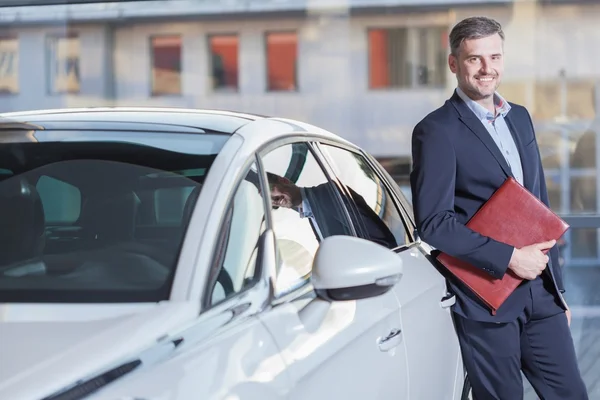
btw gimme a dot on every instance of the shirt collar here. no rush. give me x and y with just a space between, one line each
480 111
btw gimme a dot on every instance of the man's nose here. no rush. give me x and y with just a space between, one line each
485 67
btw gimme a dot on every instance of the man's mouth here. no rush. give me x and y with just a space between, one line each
485 78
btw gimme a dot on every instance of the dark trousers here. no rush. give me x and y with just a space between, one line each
539 343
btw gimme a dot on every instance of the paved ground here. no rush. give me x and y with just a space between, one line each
586 335
587 343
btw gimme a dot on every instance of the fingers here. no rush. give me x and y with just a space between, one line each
533 274
540 264
545 245
543 263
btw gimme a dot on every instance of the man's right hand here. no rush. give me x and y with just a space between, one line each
529 262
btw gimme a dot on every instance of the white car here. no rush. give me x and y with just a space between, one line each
142 257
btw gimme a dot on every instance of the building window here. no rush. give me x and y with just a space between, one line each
282 57
64 55
224 61
166 65
9 65
407 57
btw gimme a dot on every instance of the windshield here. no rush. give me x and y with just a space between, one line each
97 216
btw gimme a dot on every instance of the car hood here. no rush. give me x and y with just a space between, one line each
44 349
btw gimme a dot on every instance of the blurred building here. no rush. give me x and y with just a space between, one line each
367 70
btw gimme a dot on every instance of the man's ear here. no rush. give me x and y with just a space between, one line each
453 63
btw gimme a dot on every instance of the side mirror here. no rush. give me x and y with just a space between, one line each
349 268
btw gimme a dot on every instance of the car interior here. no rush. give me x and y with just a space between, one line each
93 221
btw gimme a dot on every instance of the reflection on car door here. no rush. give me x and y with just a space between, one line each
432 347
332 350
335 352
227 352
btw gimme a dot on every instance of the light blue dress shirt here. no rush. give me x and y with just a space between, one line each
498 130
305 211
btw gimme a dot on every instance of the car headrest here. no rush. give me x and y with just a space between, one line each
22 235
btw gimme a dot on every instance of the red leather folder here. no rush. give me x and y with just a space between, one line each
514 216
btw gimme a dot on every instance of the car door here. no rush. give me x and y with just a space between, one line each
226 352
432 346
340 350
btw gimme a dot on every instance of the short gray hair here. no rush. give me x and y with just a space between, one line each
473 28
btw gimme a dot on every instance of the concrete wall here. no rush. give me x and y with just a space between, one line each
332 79
332 63
33 83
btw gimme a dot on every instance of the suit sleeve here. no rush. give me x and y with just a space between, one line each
433 186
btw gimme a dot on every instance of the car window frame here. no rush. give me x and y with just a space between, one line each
406 219
401 203
304 288
220 247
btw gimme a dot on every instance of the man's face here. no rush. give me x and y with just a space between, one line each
281 196
479 66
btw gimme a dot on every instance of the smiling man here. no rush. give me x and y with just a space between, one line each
462 153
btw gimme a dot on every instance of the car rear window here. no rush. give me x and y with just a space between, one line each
97 216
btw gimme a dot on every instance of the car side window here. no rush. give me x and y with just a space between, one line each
306 208
375 215
244 223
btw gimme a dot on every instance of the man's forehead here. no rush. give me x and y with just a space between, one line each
489 45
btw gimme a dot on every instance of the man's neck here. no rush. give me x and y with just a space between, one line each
486 102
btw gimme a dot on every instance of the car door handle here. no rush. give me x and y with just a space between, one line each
448 301
392 340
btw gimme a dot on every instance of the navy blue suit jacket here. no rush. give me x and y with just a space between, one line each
456 168
331 220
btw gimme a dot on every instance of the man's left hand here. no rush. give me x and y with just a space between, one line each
568 313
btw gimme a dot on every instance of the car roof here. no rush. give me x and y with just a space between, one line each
160 119
167 119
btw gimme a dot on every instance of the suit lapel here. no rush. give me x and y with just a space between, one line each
317 197
476 127
517 138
